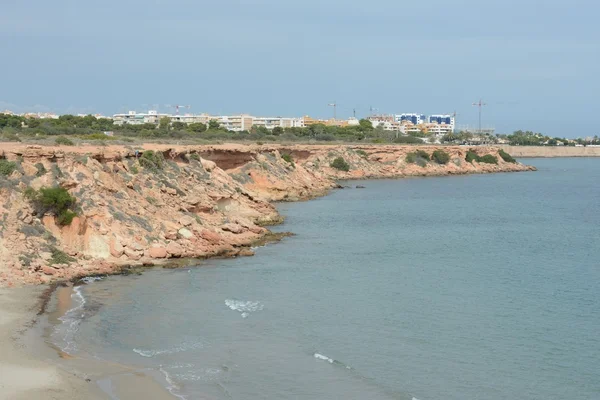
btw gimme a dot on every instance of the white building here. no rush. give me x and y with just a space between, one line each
135 118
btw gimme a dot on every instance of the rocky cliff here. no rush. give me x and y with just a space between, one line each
185 202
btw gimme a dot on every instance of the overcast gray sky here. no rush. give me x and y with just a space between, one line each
534 62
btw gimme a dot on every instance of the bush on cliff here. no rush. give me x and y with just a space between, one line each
154 161
418 157
407 140
506 157
340 164
287 158
56 200
7 167
471 156
440 157
488 159
61 140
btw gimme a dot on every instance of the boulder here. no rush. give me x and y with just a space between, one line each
171 235
210 236
132 254
186 233
175 249
116 248
157 251
186 220
207 164
48 270
136 246
233 228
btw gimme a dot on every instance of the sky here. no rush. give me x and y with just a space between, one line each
534 63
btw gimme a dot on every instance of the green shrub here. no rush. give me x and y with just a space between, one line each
288 158
41 170
440 157
340 164
56 200
362 153
134 170
506 157
152 161
471 156
417 157
423 154
7 167
10 137
421 162
59 257
65 217
488 159
63 140
195 156
97 136
407 140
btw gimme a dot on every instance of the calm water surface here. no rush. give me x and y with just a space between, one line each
474 287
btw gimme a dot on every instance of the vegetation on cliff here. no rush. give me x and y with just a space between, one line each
440 157
506 157
7 167
487 159
340 164
56 200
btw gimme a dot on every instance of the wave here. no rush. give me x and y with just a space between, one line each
71 321
244 307
178 349
319 356
172 387
91 279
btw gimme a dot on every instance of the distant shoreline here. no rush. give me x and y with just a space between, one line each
550 151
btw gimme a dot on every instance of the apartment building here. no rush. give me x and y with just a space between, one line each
135 118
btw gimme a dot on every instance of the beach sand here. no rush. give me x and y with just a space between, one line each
30 368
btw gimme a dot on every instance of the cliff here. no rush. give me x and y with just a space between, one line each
551 151
191 202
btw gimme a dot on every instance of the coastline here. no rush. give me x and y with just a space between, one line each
64 375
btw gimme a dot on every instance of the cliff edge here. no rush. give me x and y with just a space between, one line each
149 204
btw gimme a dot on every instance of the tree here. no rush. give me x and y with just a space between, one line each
365 125
178 126
164 123
277 131
197 127
213 124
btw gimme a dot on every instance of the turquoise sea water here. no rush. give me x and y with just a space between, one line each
469 287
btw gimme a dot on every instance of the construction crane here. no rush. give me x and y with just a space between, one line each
334 105
177 107
480 105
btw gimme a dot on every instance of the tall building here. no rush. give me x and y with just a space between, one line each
442 119
415 119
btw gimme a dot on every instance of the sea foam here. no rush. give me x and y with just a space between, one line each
186 346
244 307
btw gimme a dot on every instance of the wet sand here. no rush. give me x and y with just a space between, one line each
31 368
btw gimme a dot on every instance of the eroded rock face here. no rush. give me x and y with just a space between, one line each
190 207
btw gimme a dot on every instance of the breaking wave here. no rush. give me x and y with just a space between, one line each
322 357
244 307
186 346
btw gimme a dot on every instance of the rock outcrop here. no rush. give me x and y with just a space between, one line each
202 201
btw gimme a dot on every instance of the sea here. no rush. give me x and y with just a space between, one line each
453 288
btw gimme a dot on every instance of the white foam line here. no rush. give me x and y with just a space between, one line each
172 388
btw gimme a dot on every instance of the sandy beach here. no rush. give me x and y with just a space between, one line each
30 368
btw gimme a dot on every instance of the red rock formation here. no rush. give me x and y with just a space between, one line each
191 207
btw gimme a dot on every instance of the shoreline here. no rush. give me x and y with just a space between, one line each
33 366
38 305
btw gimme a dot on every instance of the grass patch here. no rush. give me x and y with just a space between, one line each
362 153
